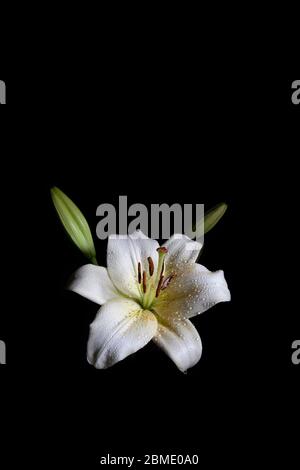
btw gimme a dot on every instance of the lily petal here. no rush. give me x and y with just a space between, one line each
193 291
120 328
93 282
123 256
180 340
181 250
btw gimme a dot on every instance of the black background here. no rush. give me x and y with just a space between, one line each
156 134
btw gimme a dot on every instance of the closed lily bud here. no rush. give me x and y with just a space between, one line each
74 223
212 217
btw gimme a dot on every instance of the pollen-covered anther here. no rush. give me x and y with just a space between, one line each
139 273
151 265
144 282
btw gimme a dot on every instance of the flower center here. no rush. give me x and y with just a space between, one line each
152 285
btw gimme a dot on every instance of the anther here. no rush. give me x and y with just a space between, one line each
144 282
139 273
151 265
159 286
167 282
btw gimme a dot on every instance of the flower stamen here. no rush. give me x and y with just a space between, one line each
151 265
159 286
144 282
167 281
151 285
139 273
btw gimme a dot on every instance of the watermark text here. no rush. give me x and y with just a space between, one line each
296 92
296 353
2 92
2 353
160 221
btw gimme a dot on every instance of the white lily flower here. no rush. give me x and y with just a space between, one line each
148 293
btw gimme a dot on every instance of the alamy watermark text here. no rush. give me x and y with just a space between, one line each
2 92
160 221
296 352
296 92
2 353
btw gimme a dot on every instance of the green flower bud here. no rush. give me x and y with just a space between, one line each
212 217
74 223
